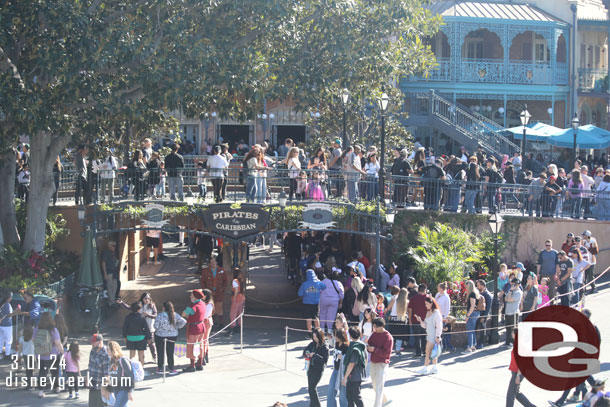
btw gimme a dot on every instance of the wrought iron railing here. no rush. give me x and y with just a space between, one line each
591 79
448 195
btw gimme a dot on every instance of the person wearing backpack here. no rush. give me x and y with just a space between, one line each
120 375
473 313
484 307
529 300
99 363
47 345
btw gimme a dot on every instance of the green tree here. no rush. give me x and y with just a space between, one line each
444 253
90 70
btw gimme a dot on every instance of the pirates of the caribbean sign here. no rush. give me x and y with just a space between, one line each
236 223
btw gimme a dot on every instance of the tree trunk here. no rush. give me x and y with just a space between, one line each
8 218
44 150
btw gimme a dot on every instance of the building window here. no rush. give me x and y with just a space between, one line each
474 48
541 52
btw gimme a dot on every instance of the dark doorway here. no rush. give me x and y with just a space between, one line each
296 133
233 134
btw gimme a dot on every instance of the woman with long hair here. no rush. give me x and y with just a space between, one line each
119 375
350 300
251 163
317 353
578 273
72 361
366 299
334 385
237 299
419 162
575 191
208 300
529 300
62 328
433 324
396 314
366 327
372 177
294 168
472 313
166 326
149 312
330 298
48 348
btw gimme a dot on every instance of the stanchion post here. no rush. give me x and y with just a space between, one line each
286 350
163 350
241 333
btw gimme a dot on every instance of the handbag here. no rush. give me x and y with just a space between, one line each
436 351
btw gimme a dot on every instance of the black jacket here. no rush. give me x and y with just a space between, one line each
320 355
401 167
135 325
174 164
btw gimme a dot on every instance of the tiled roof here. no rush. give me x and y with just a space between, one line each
503 11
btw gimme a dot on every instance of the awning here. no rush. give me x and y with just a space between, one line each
588 136
531 134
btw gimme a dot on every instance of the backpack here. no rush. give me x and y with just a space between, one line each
539 300
481 303
43 343
137 370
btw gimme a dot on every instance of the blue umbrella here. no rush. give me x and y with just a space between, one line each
532 134
588 136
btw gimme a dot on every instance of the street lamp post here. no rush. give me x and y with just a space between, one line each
495 223
575 124
383 106
389 218
345 99
525 119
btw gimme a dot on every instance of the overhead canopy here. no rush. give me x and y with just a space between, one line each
588 136
532 134
89 273
495 10
544 128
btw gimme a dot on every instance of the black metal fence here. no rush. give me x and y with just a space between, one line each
236 184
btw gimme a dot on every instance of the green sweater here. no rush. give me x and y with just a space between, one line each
357 348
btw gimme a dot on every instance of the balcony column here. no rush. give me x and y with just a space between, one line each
553 109
506 47
505 111
553 48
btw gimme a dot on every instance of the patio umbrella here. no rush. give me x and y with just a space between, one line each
532 134
89 273
544 128
588 136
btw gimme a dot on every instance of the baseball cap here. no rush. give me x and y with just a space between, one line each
96 338
520 265
553 178
599 382
338 141
577 238
587 233
570 234
561 253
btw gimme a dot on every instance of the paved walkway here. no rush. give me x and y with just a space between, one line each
255 376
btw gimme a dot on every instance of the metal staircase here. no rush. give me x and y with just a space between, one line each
468 128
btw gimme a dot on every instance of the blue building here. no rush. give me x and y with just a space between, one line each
495 57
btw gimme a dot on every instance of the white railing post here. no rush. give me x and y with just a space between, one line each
286 350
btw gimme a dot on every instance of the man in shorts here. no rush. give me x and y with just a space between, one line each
310 292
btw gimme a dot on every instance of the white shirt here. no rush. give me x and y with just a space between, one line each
107 167
588 182
360 267
27 348
372 169
587 244
393 312
216 164
444 303
24 177
577 274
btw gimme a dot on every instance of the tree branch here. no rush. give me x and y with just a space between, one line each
6 65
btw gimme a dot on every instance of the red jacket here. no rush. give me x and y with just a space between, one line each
383 344
217 285
194 323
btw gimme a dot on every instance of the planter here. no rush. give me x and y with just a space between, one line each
458 334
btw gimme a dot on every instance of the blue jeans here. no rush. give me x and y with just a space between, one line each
576 207
471 325
250 188
331 397
176 182
352 191
122 397
471 195
261 189
577 293
453 198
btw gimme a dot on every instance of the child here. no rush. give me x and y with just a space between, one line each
149 312
543 288
72 358
160 187
314 189
26 349
201 180
380 308
108 396
301 185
